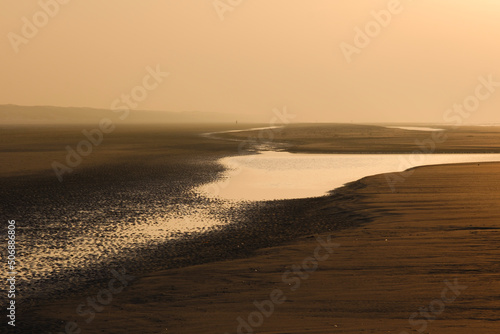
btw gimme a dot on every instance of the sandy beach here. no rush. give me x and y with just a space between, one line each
250 167
397 247
429 236
390 253
358 138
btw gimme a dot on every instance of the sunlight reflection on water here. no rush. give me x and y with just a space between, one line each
282 175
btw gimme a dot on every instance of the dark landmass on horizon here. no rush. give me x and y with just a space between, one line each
49 115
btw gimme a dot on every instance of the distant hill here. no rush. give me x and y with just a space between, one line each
14 114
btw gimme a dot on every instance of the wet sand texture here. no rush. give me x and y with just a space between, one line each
441 224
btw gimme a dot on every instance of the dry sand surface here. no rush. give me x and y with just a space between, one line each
441 225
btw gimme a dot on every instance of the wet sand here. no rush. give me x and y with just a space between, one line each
396 251
136 172
352 138
440 225
30 150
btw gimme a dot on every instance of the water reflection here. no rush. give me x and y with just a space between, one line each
282 175
414 128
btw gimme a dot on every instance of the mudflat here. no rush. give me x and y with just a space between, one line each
425 260
419 255
357 138
31 149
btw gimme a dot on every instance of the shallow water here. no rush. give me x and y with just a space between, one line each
414 128
282 175
214 135
73 232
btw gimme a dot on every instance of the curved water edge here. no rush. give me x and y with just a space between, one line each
415 128
213 135
274 175
68 239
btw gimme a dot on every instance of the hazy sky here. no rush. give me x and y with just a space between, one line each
264 54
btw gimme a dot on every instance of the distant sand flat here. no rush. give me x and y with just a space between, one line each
356 138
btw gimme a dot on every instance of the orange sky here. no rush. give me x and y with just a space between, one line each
264 54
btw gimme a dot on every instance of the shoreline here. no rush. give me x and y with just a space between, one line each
261 228
266 224
358 138
202 297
